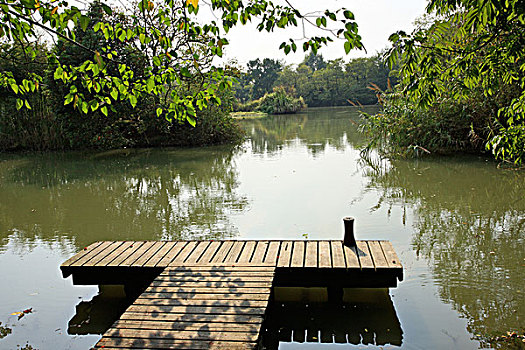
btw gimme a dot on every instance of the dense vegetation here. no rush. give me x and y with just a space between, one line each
51 124
318 82
462 80
279 101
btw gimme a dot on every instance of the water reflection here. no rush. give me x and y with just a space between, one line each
98 314
128 195
470 225
364 316
316 129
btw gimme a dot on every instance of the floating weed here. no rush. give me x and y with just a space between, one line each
4 331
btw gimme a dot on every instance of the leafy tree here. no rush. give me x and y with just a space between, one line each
315 61
262 75
470 53
178 49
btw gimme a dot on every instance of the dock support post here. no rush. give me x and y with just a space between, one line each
349 239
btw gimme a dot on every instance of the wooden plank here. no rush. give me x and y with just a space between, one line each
272 252
351 259
133 247
311 254
183 317
94 252
149 253
123 247
197 252
363 253
285 254
217 268
200 335
207 296
298 254
247 252
390 254
338 256
325 256
155 259
222 252
208 310
239 274
81 254
187 326
185 302
112 343
184 253
210 252
215 284
160 344
230 278
172 254
146 245
260 252
205 290
378 258
234 253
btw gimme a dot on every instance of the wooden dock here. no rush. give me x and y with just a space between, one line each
214 294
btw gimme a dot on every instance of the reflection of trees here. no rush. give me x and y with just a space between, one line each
319 128
120 196
470 223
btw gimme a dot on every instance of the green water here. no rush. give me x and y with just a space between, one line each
457 223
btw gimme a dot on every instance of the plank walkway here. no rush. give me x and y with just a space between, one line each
196 307
214 294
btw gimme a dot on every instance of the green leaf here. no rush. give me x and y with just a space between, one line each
104 110
150 84
94 105
68 99
26 102
114 93
122 35
84 22
306 44
185 72
349 15
107 9
19 103
159 112
191 120
95 69
133 100
348 47
14 87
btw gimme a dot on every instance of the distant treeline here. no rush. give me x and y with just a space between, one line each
318 82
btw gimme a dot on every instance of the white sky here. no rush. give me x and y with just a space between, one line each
377 19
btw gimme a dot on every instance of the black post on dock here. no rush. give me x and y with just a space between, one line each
349 239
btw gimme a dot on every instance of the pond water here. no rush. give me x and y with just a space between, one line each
457 223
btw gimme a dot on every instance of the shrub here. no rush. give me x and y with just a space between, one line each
277 102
